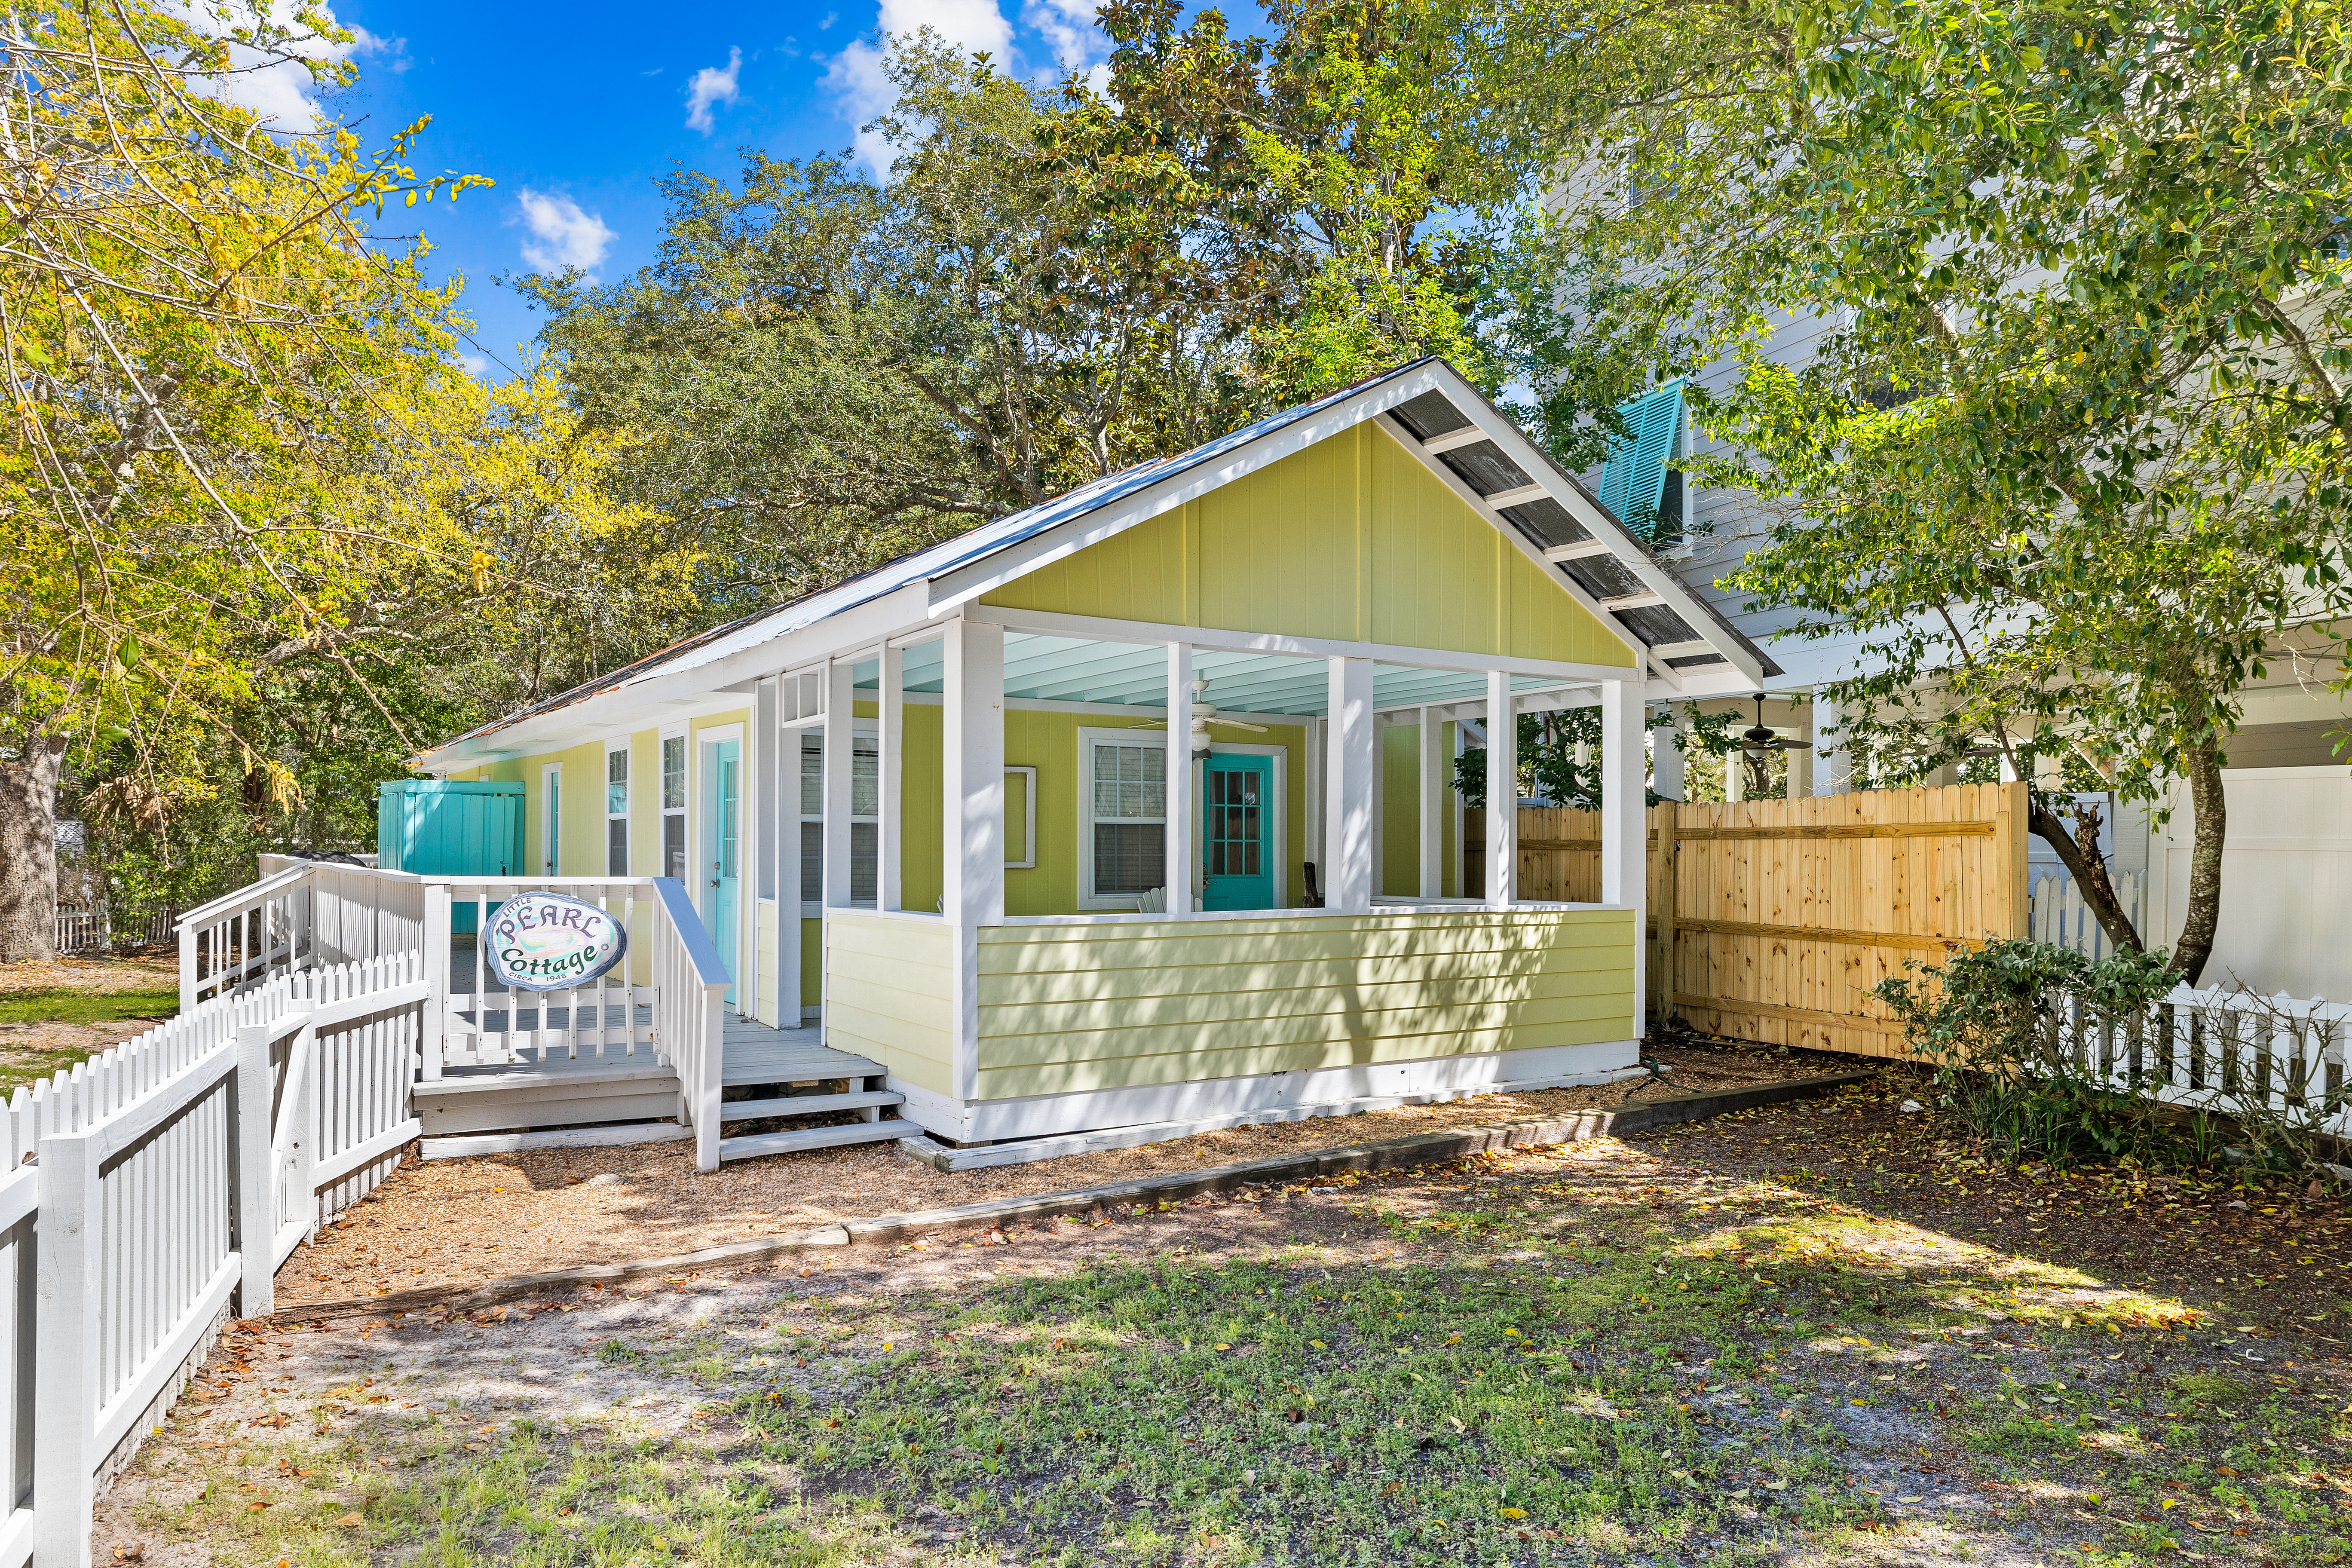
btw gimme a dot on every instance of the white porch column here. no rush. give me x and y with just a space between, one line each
761 852
971 863
1800 763
889 853
1666 755
1432 798
1502 792
1625 819
1347 797
1317 751
1178 800
972 768
840 687
1830 767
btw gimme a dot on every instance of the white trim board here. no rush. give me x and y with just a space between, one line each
1267 1096
1029 1151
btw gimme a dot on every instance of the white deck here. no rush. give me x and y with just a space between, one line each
754 1054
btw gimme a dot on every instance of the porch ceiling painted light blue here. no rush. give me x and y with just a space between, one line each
1070 669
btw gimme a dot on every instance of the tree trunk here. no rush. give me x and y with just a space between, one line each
28 850
2210 819
2089 869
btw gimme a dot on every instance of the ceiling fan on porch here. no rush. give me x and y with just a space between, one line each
1205 713
1758 743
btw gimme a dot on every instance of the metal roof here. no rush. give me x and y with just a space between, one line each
1494 464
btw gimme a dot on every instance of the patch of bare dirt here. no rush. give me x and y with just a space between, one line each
455 1224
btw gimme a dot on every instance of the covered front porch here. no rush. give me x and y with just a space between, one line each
999 816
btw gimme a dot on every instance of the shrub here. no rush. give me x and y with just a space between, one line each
2004 1027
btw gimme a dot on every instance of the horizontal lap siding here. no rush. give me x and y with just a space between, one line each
1063 1009
889 985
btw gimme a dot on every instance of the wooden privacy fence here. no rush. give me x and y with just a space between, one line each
1774 919
156 1188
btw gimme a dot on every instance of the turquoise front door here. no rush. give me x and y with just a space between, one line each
723 802
1237 840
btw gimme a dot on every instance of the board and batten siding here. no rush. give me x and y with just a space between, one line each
1070 1008
1351 539
890 994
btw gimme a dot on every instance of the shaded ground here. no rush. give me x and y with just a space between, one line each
1764 1341
54 1014
460 1222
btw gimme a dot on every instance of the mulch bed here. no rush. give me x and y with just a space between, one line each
2245 1246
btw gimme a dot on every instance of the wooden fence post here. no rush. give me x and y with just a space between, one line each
256 1179
66 1351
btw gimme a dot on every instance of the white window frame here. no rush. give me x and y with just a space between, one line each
1029 834
619 748
1088 739
860 729
551 819
682 810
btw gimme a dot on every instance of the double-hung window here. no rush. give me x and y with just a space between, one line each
617 809
672 800
1125 839
864 814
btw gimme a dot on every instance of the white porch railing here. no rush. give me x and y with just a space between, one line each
160 1184
663 1004
483 1024
245 937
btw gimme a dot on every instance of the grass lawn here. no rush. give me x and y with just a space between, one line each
65 1005
49 1029
1760 1342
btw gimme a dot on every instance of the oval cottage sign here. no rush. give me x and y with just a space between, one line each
552 941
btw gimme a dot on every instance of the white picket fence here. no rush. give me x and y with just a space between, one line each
2057 913
2225 1050
156 1188
93 930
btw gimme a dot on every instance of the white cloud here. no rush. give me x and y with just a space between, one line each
1068 28
708 86
855 78
278 86
475 365
562 235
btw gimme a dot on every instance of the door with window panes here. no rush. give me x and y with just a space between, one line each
1236 841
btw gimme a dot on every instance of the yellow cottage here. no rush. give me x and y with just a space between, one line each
940 820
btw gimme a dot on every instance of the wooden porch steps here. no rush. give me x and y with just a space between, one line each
807 1105
798 1139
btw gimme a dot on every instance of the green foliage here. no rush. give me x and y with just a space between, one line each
2004 1025
1548 768
2068 455
70 1005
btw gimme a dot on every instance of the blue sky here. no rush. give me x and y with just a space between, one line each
576 110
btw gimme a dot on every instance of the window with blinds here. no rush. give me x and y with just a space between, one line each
865 807
673 803
1127 826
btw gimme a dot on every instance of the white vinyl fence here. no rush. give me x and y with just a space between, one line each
154 1189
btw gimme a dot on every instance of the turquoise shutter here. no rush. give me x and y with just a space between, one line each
1633 479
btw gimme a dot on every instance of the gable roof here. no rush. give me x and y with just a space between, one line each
1431 409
